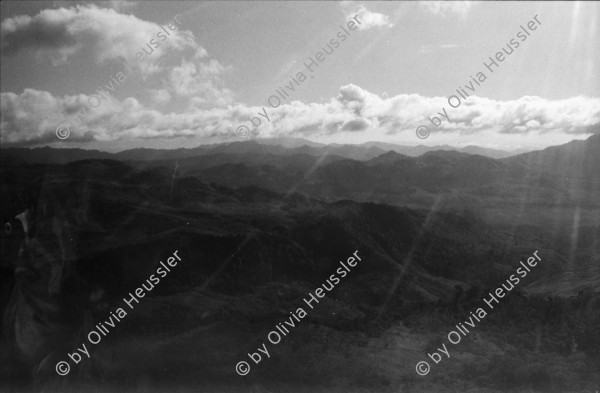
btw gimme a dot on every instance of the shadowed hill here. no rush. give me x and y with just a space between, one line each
251 254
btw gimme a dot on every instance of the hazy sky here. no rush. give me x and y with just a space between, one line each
225 60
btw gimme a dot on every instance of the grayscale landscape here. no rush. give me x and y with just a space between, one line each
300 196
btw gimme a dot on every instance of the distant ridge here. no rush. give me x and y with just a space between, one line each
415 151
279 146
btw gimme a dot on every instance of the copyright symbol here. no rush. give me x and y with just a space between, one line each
242 368
63 132
243 131
62 368
422 368
422 132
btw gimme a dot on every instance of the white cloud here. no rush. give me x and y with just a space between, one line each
173 57
201 82
26 119
368 19
59 34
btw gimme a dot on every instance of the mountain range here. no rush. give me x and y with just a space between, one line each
286 146
259 226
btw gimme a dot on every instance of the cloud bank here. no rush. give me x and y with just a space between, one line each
353 110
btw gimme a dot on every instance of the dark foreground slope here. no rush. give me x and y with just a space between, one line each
249 258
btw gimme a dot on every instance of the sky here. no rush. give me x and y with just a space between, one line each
105 75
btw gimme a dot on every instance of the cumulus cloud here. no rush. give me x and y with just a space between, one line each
26 119
201 82
33 117
181 64
107 34
368 19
